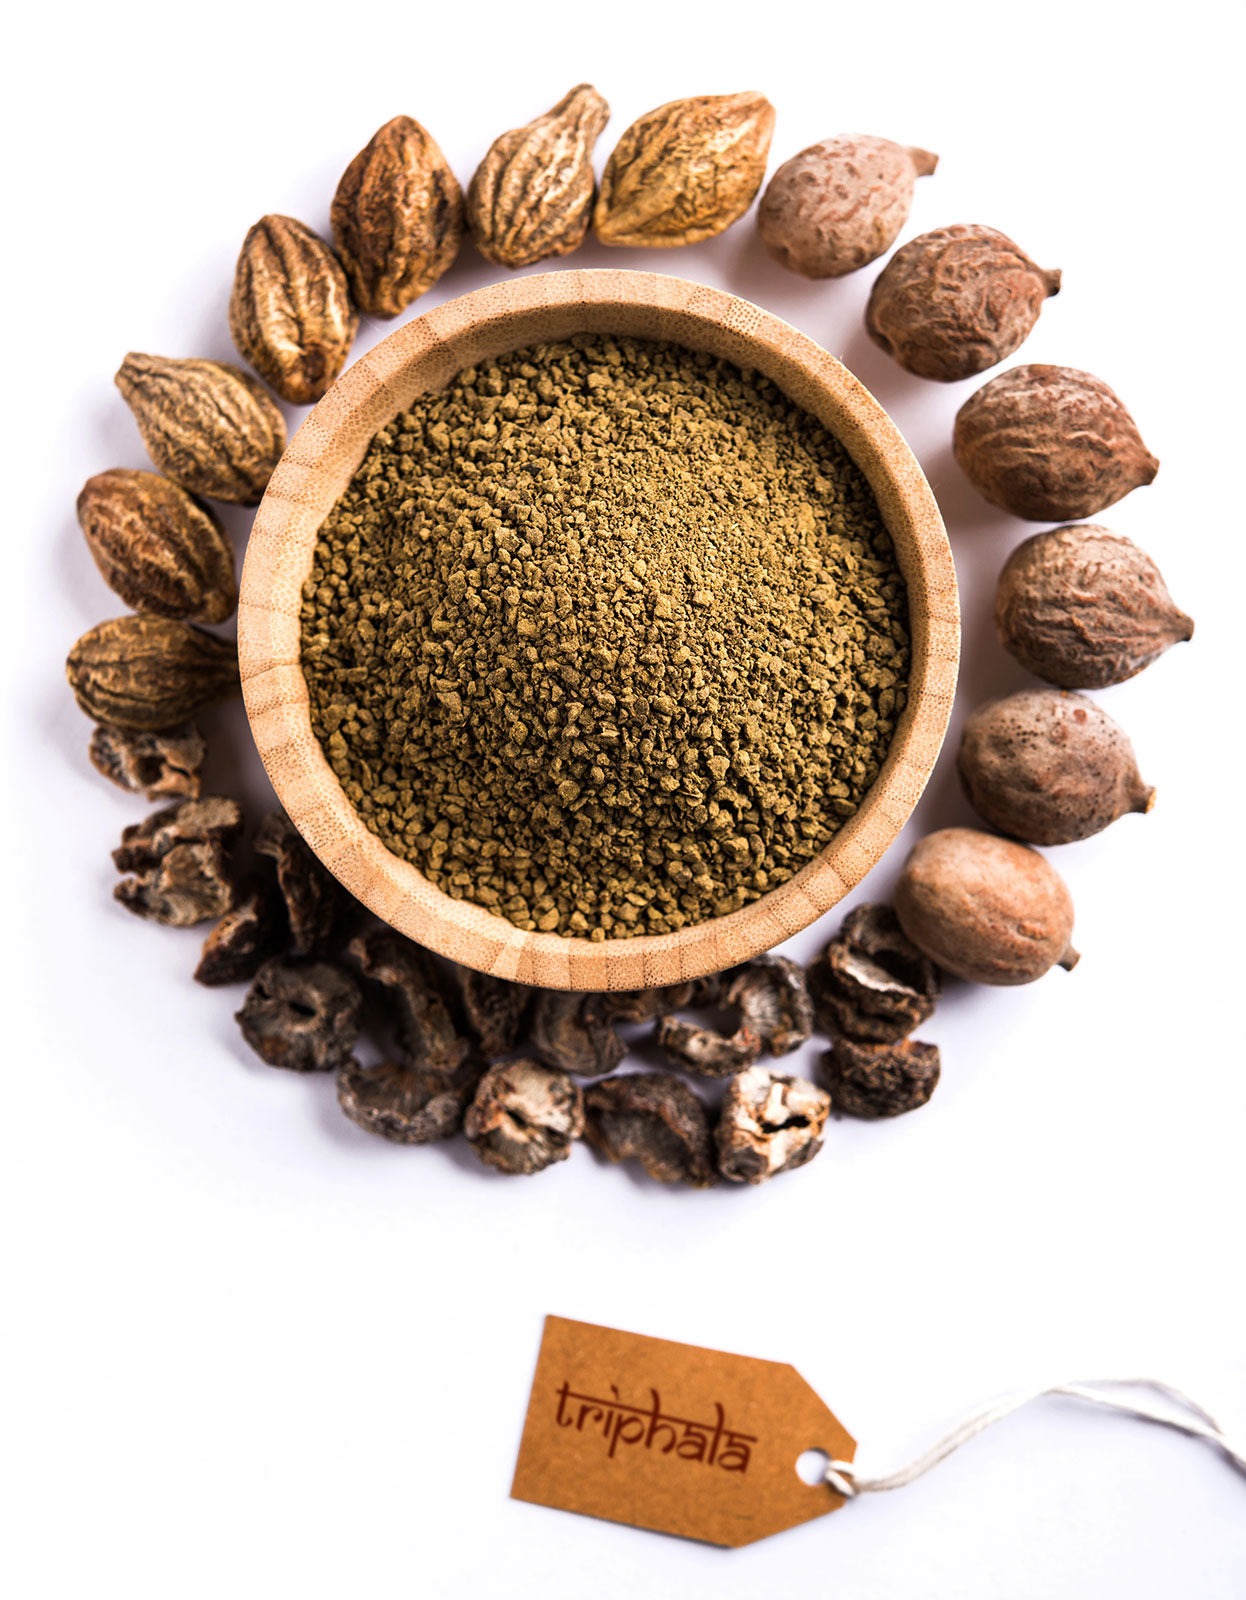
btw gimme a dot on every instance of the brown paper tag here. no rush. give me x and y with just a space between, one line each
672 1437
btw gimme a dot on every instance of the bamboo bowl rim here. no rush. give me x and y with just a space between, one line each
323 455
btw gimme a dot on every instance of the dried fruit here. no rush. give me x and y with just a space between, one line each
770 1123
871 982
162 766
1084 608
245 937
179 858
647 1005
147 674
653 1118
290 313
1049 767
839 204
573 1032
706 1051
410 1104
303 1016
770 995
524 1117
494 1010
161 551
207 425
424 1022
397 218
532 195
985 908
315 901
1050 443
953 302
881 1080
686 171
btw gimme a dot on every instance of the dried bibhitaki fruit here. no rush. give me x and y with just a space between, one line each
410 1104
1050 443
881 1080
161 551
647 1005
1084 608
1049 767
871 982
839 204
397 218
207 425
524 1117
162 766
573 1032
770 1123
984 908
494 1009
303 1016
953 302
707 1052
147 674
424 1022
532 195
686 171
290 313
179 858
314 899
770 995
245 937
653 1118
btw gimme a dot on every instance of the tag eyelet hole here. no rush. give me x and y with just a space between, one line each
811 1467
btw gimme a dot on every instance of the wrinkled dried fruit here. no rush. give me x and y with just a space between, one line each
706 1051
1050 443
985 908
423 1020
494 1010
147 674
524 1117
161 551
573 1032
162 766
532 195
953 302
397 218
871 982
686 171
881 1080
303 1016
180 860
207 425
653 1118
245 937
839 204
1084 608
315 901
770 1123
410 1104
770 995
214 819
647 1005
290 313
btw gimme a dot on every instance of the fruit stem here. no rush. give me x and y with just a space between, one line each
1069 959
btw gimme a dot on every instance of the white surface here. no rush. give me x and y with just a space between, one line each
255 1351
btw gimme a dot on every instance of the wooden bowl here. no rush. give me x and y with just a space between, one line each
424 354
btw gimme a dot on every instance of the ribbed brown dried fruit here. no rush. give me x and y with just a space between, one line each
161 551
1084 608
314 900
245 937
161 766
881 1080
770 1123
953 302
147 674
524 1117
871 982
423 1019
573 1032
653 1118
494 1009
303 1016
1050 443
207 425
686 171
408 1103
532 195
179 861
397 218
290 313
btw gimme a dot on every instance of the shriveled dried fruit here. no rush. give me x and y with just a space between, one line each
162 766
706 1051
1049 443
303 1016
771 997
770 1123
871 982
408 1103
161 551
839 204
532 195
207 425
573 1032
955 301
984 908
494 1009
653 1118
686 171
147 674
245 937
881 1080
424 1022
1084 608
214 819
179 858
524 1117
647 1005
315 901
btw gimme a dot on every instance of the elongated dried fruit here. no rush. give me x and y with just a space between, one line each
653 1118
871 982
207 425
770 1123
303 1016
524 1117
148 673
686 171
881 1080
162 766
408 1102
290 313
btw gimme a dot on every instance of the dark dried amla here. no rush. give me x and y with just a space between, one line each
653 1118
147 674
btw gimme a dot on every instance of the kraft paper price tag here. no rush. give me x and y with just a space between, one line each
672 1437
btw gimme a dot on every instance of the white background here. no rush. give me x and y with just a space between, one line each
256 1352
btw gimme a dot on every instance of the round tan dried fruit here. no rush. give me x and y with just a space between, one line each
984 908
149 673
1050 443
839 204
953 302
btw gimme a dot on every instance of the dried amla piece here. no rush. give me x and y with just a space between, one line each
572 1031
409 1103
179 858
1085 608
653 1118
494 1009
706 1051
984 908
955 301
148 674
871 982
647 1005
880 1080
1050 443
770 1123
303 1016
424 1021
839 204
524 1117
772 999
245 937
315 901
161 766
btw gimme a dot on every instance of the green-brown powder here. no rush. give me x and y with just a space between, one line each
607 636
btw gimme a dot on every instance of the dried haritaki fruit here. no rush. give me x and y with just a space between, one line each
303 1016
573 1032
524 1117
423 1019
1049 767
705 1051
408 1103
647 1005
290 313
397 218
245 937
881 1080
1050 443
770 995
494 1009
314 899
1084 608
532 195
770 1123
207 425
180 861
686 171
161 551
953 302
871 982
653 1118
984 908
147 674
839 204
162 766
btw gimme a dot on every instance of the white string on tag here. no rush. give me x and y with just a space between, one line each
1189 1417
